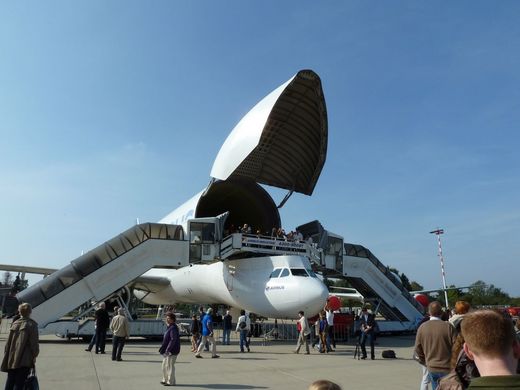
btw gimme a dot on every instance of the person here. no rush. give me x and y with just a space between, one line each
304 332
170 349
92 341
207 335
202 314
461 309
120 333
195 332
489 341
463 369
322 331
227 325
433 344
367 327
243 327
102 324
324 384
21 349
329 314
425 379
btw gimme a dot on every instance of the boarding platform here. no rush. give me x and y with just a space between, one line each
239 244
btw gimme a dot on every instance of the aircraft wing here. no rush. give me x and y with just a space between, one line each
439 290
144 283
151 284
27 270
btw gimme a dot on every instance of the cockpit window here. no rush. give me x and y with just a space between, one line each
311 272
299 272
285 272
275 273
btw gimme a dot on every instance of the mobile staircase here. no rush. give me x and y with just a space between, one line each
368 275
382 288
102 271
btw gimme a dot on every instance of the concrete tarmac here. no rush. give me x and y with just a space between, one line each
66 365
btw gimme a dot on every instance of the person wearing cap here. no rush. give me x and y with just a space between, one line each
207 335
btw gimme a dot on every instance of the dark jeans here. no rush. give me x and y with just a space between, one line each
101 337
92 342
330 335
16 378
118 344
363 340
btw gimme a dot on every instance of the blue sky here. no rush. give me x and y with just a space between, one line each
114 110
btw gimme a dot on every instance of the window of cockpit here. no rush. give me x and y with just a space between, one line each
311 272
275 273
285 272
299 272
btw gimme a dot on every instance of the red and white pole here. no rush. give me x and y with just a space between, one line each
438 233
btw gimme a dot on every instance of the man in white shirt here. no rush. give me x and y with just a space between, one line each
329 315
244 327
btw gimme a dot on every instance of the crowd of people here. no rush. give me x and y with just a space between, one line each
472 349
276 232
469 350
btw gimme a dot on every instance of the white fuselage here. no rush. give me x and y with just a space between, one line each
245 284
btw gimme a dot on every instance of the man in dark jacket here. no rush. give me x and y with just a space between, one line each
368 323
228 324
170 348
102 324
21 349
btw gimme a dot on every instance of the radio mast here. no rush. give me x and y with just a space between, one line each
438 233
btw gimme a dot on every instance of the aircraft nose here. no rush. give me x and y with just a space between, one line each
316 294
323 292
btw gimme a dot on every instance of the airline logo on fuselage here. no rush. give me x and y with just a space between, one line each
268 288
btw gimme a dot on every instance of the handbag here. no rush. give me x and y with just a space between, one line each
31 383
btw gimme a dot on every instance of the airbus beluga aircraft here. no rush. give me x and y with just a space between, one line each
281 142
193 255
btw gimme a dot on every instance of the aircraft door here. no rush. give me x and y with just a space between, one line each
203 234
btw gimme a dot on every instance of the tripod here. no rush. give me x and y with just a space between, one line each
357 352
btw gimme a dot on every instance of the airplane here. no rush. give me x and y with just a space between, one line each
439 290
280 142
348 293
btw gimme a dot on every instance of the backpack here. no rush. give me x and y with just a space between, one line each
388 354
242 325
